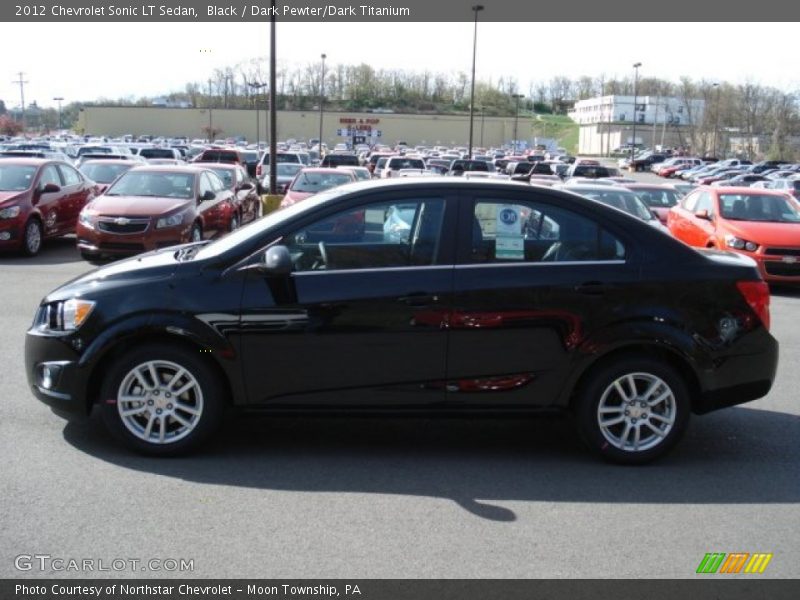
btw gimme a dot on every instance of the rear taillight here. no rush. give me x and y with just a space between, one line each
756 294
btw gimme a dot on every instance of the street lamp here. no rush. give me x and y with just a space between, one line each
516 118
483 115
273 115
257 86
476 9
716 120
635 99
321 99
59 99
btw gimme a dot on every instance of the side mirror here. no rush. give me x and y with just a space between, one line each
278 261
245 186
208 195
50 188
703 214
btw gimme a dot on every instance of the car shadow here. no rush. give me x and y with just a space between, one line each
53 251
736 456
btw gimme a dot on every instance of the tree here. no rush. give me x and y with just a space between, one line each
9 126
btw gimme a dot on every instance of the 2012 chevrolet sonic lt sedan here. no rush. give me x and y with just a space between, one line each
459 296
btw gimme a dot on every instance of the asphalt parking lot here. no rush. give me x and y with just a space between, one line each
393 498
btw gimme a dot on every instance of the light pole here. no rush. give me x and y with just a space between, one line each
59 99
273 115
476 9
516 118
716 120
635 100
321 100
257 86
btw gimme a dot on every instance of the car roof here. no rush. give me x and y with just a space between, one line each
32 161
170 168
743 190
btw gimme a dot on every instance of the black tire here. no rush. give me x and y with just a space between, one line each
32 237
206 397
196 234
600 387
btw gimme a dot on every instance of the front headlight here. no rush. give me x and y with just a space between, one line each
86 218
65 316
11 212
171 221
739 244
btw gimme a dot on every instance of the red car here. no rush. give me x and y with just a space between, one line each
761 224
155 207
246 200
39 199
314 180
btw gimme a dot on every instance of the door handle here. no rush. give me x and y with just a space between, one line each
418 299
593 288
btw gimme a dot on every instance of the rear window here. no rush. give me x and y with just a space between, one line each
217 156
156 153
335 160
406 163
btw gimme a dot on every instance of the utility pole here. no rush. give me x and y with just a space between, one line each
21 84
59 99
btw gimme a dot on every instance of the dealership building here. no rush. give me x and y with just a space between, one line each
374 127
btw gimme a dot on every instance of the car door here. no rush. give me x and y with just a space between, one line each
534 280
212 194
76 194
701 230
679 216
362 318
51 205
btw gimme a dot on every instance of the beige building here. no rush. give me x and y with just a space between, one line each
446 130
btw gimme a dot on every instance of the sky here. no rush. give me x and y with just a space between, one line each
86 61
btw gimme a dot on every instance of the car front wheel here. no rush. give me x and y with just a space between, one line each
32 237
162 400
633 411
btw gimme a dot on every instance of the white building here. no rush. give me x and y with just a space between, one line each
606 122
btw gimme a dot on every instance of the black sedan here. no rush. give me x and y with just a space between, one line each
442 294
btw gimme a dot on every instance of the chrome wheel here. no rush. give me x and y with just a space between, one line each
234 223
33 237
160 402
197 234
636 412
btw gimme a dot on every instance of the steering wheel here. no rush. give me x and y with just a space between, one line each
323 253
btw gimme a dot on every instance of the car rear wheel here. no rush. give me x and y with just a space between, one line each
162 400
633 411
32 237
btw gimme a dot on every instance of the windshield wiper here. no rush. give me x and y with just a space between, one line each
188 252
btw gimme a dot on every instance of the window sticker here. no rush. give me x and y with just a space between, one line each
509 247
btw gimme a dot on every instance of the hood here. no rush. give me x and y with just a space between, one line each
4 196
137 206
766 234
142 270
291 196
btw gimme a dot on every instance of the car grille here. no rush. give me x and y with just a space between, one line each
113 246
782 269
782 251
122 225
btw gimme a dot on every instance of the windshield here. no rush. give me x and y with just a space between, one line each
104 172
257 227
755 207
154 183
310 181
14 178
626 201
226 175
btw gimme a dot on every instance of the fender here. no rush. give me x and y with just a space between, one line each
665 335
207 335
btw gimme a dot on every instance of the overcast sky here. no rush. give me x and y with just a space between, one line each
83 61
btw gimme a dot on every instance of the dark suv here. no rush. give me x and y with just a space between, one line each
446 295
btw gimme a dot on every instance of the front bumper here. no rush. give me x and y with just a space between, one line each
54 373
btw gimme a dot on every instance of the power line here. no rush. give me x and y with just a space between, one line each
21 84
